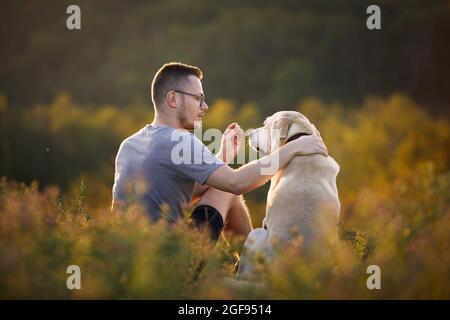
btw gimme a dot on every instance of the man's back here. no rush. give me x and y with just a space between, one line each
156 170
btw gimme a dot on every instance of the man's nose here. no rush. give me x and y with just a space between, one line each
205 106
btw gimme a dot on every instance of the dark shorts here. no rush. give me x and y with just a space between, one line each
208 217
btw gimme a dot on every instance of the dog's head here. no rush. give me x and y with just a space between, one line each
279 129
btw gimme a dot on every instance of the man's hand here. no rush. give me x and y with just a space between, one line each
231 143
312 144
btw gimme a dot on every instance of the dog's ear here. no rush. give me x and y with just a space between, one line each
278 133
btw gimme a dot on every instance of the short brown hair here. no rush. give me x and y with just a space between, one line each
169 77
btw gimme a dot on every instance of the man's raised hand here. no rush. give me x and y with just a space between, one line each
231 142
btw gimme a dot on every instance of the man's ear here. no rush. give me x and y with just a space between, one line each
171 99
278 133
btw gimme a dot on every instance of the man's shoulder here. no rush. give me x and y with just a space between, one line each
160 138
148 132
131 139
150 137
172 136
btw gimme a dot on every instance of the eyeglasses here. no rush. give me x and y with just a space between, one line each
198 96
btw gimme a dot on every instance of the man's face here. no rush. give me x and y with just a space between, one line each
190 112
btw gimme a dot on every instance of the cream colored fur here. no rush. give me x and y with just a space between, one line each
303 197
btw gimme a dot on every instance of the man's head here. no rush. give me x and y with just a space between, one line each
178 93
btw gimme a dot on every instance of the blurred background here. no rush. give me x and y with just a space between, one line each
380 98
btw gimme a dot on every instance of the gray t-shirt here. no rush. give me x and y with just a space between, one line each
157 167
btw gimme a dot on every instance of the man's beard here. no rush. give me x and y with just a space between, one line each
182 118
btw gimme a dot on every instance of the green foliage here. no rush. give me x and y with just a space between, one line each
269 52
59 142
123 256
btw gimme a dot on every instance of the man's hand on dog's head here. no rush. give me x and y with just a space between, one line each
312 144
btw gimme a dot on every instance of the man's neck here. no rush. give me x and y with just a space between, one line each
162 119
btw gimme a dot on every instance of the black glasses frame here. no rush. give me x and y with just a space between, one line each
201 96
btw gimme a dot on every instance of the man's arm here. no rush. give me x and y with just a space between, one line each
250 177
231 141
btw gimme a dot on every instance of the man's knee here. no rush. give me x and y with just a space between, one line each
231 207
238 200
220 200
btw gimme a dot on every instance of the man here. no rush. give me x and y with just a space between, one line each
147 173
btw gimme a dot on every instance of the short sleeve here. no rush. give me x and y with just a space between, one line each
190 158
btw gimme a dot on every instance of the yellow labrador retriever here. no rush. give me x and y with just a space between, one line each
303 197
